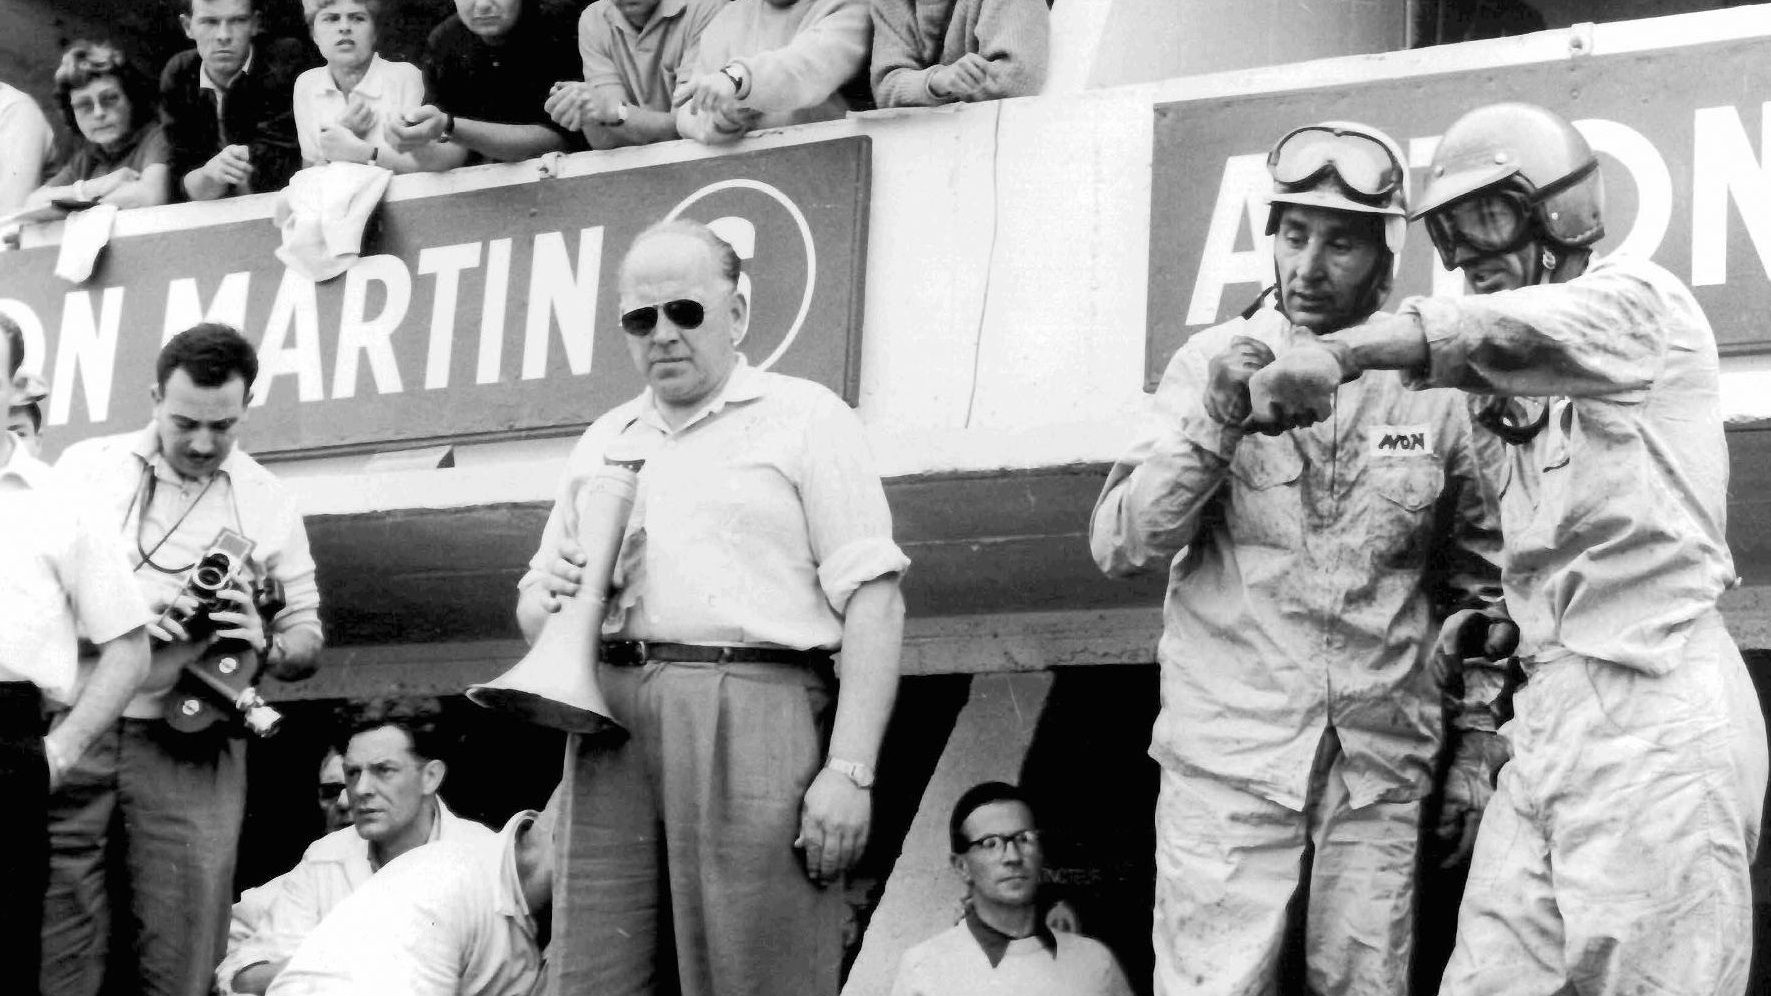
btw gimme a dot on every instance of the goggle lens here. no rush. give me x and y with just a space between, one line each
683 313
1363 164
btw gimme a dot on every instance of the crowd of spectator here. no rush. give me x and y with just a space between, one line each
239 113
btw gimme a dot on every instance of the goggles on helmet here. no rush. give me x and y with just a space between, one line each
1361 163
1492 221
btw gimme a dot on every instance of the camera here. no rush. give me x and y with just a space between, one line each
215 572
218 685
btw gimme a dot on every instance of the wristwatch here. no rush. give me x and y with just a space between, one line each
620 114
855 771
734 72
448 129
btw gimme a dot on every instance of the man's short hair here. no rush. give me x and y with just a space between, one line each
189 7
210 354
310 9
974 799
15 344
419 718
727 257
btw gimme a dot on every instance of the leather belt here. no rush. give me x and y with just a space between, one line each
632 653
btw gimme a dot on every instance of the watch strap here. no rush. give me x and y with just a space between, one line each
854 771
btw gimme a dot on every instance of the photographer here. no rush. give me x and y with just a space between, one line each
166 805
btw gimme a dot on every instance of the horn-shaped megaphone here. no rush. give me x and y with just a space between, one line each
555 684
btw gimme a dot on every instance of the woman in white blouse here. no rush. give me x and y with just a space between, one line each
340 107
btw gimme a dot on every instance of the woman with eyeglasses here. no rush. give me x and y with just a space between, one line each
122 154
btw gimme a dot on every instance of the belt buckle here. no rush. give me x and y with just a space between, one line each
725 655
644 651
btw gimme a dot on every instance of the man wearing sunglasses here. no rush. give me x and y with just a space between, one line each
1003 945
1615 854
1307 572
760 543
165 807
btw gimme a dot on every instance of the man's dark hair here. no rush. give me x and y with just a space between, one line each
210 354
974 799
420 719
189 8
15 344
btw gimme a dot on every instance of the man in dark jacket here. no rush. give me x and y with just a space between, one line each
227 104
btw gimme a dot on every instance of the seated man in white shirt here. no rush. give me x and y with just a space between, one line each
1002 945
457 918
335 814
392 772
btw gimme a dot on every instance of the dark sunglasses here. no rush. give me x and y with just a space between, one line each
683 313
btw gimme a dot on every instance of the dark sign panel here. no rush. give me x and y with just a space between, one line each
481 313
1682 136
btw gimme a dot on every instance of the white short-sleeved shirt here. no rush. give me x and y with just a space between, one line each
755 521
62 575
390 89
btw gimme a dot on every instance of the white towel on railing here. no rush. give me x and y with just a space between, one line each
83 236
322 214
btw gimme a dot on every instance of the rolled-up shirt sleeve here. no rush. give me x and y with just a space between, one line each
1600 334
293 565
847 519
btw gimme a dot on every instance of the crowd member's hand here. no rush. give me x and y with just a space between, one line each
1062 919
833 825
417 128
563 576
231 166
55 761
1227 375
1295 390
967 78
710 93
1486 633
166 627
565 105
358 117
242 621
98 187
339 145
1477 757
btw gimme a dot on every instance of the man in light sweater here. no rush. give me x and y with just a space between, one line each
772 63
1002 945
943 51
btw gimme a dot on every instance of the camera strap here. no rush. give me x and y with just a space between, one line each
144 497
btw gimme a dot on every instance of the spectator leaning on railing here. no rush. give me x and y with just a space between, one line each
945 51
769 63
226 104
635 52
26 145
122 154
343 107
488 71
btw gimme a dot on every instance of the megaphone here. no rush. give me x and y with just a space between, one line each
555 684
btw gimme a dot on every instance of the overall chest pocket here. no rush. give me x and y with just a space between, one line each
1263 504
1399 518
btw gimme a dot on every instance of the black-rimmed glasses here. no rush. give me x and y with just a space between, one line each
993 844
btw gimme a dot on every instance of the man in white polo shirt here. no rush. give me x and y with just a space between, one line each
59 573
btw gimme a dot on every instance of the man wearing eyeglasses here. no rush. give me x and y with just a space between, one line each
166 806
1616 853
760 543
1003 945
1307 569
